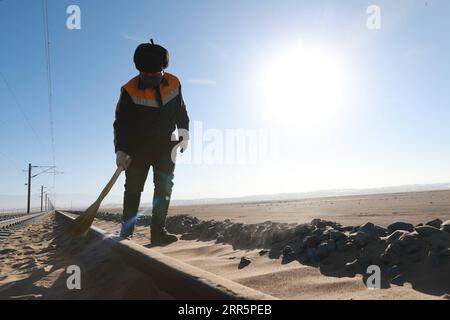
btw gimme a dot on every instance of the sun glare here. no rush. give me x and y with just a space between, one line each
304 87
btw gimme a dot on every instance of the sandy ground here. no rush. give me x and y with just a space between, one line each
34 259
35 266
285 281
294 280
382 209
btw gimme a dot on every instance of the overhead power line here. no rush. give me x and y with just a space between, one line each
14 163
49 84
24 115
49 75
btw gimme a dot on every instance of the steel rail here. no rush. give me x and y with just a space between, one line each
5 224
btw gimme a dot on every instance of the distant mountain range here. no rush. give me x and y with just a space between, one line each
80 201
318 194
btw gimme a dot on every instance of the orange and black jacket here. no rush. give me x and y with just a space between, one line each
147 117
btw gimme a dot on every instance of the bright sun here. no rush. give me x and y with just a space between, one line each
304 87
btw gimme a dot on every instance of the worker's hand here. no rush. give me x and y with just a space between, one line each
123 160
184 145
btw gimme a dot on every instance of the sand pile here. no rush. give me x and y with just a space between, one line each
34 260
417 254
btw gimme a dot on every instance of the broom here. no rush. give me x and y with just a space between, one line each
80 226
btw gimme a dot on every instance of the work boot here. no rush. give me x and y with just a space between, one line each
127 229
159 234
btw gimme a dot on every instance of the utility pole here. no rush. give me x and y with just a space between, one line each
42 198
29 188
45 169
46 202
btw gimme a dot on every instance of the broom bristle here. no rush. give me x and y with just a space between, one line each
80 226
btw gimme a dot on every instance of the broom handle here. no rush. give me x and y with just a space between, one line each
110 184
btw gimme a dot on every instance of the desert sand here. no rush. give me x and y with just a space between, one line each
297 280
221 238
34 260
381 209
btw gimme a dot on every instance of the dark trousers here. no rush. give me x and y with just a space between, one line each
135 177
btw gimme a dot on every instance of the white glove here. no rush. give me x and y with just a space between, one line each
123 160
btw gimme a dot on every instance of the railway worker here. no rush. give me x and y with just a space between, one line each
149 110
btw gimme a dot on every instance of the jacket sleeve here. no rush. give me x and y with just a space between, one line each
182 115
122 123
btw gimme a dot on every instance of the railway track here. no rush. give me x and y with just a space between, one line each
177 278
12 215
8 226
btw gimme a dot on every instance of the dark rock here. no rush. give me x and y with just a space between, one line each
312 254
302 230
322 250
389 258
220 238
445 226
413 248
287 251
427 231
319 223
395 248
393 237
439 241
331 245
373 230
435 259
394 271
354 267
263 252
364 260
361 238
310 241
399 280
408 239
400 226
324 237
245 261
344 246
415 257
337 235
435 223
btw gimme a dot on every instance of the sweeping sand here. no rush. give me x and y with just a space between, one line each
34 260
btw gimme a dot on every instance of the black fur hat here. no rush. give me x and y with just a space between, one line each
150 57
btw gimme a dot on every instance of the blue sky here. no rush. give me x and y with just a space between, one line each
392 128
